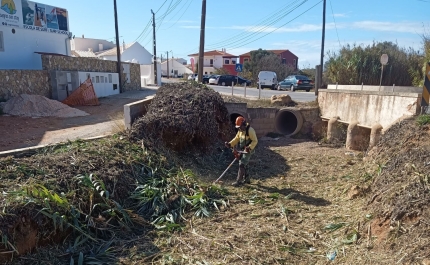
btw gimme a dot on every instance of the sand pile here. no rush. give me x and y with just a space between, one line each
184 116
39 106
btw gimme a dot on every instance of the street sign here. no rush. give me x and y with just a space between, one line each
238 67
384 59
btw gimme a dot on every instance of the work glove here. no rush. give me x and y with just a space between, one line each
227 144
247 149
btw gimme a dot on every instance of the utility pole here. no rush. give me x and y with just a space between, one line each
320 76
118 50
168 73
155 48
202 42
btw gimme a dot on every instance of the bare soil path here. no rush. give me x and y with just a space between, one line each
20 132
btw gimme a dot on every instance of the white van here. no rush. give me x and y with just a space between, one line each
267 79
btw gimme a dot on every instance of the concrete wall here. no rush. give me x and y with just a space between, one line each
399 89
263 120
16 82
82 64
135 110
367 107
21 44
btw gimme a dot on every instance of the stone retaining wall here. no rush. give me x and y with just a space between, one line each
16 82
82 64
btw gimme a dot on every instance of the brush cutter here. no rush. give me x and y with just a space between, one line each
237 155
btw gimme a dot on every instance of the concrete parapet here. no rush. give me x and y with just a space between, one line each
135 110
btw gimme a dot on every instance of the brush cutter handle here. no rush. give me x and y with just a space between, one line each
225 171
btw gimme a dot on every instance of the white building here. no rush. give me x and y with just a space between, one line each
26 32
175 68
215 60
90 45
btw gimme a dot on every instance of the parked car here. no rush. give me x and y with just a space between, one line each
267 79
204 78
243 81
213 79
192 77
296 82
226 80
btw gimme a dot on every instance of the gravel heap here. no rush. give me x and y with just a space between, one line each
39 106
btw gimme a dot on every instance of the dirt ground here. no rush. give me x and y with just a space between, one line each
306 201
21 132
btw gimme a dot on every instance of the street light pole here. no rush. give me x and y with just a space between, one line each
155 48
118 50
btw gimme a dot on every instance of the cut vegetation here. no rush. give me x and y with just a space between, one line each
130 199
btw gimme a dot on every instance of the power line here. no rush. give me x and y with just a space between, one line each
165 1
340 46
262 29
191 1
268 20
278 27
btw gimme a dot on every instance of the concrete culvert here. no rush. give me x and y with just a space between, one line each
289 121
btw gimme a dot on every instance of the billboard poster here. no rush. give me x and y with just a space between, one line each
34 16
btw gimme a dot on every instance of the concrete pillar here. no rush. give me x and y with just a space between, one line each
375 135
333 130
353 136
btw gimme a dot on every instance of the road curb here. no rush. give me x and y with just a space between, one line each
29 151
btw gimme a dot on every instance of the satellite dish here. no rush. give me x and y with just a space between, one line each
384 59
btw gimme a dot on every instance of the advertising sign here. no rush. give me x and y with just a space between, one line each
34 16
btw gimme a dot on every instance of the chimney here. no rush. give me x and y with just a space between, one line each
100 47
123 45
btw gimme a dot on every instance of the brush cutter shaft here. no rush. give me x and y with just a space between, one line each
225 171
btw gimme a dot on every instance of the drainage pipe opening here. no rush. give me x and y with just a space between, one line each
289 121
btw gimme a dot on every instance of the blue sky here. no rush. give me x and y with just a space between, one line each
244 25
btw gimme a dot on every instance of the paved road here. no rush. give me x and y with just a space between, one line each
252 92
301 96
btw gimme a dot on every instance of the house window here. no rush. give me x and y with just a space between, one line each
233 61
284 61
102 79
294 62
88 75
110 78
211 62
93 80
226 61
1 42
106 80
206 73
246 60
97 79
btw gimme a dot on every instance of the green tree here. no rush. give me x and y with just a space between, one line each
354 65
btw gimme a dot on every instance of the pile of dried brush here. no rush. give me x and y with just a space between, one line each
184 116
401 191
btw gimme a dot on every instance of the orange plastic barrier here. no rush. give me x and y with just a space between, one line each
83 96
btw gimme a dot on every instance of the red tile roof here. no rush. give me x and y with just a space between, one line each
213 53
274 51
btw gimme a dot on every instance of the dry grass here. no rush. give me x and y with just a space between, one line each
295 217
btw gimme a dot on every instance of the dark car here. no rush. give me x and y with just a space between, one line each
296 82
226 80
243 81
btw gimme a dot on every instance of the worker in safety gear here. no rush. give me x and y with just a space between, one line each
247 140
